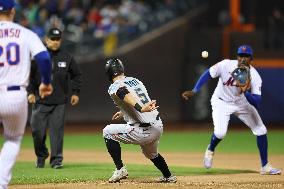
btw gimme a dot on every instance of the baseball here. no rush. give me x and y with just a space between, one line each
204 54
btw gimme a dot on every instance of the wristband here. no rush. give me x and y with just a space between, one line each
138 107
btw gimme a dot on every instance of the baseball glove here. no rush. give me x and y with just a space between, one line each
242 76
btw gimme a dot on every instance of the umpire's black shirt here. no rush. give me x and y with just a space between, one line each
65 72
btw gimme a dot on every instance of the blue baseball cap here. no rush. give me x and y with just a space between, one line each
245 50
6 5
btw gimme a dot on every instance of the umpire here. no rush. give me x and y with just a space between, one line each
49 113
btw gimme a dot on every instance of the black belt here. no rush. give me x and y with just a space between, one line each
141 124
145 124
13 88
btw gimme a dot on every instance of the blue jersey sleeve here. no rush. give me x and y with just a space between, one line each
44 64
202 80
253 99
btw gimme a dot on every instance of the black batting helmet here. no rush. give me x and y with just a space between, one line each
114 67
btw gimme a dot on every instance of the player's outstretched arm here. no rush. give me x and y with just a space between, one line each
201 81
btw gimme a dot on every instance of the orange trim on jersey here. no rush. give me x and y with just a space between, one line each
268 63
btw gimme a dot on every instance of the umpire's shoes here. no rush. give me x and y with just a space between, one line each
40 162
208 158
269 170
57 166
118 175
171 179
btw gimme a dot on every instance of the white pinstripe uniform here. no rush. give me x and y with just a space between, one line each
17 45
132 132
228 99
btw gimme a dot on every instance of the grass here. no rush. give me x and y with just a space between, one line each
25 173
189 141
235 142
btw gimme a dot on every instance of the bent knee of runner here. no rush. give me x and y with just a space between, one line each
106 132
220 135
150 155
258 131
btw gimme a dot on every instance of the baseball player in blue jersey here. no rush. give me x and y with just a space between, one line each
17 46
230 97
143 125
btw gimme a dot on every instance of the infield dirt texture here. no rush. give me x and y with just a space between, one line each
225 160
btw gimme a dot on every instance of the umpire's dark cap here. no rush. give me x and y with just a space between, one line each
6 5
245 50
54 34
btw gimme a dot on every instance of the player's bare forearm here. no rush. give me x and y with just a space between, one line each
130 99
150 106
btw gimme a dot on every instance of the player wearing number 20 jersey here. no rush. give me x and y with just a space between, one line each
17 46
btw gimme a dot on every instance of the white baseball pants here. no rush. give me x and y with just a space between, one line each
13 116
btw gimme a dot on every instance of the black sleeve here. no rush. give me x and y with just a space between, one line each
32 87
75 76
121 92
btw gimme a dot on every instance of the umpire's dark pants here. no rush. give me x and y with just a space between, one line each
52 117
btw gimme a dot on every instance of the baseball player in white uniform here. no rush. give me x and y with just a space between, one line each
17 46
143 124
231 98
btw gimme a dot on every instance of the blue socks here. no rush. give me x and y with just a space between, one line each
262 147
213 143
261 144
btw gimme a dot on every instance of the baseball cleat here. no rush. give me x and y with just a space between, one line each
118 175
171 179
208 158
269 170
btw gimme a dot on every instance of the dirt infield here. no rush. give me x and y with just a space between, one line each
234 161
